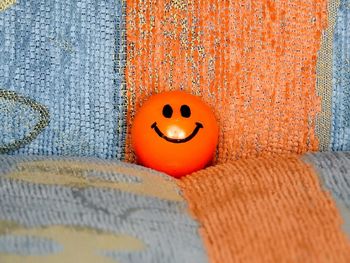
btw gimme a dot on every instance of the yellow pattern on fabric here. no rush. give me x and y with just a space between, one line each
325 78
4 4
89 242
74 173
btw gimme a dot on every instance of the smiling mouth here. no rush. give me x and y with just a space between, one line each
188 138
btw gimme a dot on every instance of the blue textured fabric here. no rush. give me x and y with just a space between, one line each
67 58
333 169
27 245
340 136
92 210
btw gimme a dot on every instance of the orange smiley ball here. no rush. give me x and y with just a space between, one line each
174 132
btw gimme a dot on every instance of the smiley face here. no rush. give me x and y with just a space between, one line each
174 132
186 113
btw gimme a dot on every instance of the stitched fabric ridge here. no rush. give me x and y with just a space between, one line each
325 79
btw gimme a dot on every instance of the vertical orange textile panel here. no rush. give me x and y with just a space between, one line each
266 210
254 62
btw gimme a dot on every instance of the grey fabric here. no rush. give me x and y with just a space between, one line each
334 171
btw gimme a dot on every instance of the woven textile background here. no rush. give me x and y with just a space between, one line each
341 80
275 72
61 77
254 62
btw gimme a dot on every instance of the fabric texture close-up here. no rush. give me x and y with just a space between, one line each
64 60
73 76
254 62
107 211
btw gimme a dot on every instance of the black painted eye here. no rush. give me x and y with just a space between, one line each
167 111
185 111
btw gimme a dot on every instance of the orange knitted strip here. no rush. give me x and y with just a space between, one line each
252 61
266 210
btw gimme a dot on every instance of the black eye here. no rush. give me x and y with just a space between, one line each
167 111
185 111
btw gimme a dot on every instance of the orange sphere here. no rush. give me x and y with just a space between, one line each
174 132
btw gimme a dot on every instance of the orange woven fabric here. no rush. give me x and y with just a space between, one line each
254 62
266 210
